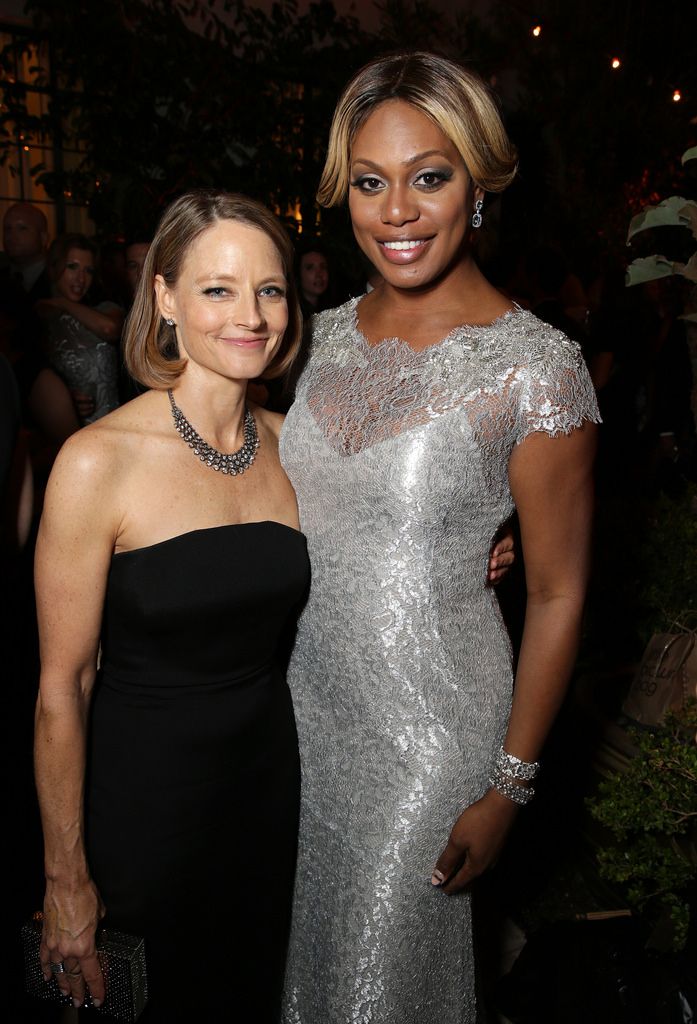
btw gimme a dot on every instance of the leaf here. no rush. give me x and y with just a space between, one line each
689 211
672 212
689 269
690 154
649 268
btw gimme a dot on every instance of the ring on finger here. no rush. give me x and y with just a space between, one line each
57 968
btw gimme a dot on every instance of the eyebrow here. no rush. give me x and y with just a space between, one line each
213 276
406 163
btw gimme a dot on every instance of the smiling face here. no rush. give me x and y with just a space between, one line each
76 276
410 196
229 302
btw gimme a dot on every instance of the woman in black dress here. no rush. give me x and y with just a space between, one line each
168 777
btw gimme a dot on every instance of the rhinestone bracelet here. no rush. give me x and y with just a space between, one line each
514 768
518 794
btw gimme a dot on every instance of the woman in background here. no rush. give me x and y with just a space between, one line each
82 339
313 278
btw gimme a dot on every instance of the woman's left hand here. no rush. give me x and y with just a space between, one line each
475 842
502 555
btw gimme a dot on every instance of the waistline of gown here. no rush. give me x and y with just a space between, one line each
136 686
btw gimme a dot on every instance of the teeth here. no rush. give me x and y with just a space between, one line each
403 245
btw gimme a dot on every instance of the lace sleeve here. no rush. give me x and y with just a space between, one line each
557 394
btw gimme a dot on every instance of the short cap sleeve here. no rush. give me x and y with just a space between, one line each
556 394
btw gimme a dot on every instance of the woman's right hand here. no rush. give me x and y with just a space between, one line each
71 918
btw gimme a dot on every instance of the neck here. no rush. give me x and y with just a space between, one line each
461 286
214 405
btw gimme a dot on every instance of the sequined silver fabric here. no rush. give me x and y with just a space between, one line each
401 673
85 362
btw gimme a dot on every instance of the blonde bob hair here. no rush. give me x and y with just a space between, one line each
457 100
150 345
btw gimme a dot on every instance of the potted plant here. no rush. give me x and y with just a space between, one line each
672 212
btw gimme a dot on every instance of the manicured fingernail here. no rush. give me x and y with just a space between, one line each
437 878
77 1003
97 1003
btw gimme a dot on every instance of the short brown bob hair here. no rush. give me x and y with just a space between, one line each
150 345
457 101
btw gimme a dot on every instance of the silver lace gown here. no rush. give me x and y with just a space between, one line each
401 674
85 361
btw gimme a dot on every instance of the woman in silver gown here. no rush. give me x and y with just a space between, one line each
429 410
82 339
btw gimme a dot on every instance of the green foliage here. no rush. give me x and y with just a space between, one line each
665 565
649 268
675 211
593 140
192 93
195 92
651 811
672 212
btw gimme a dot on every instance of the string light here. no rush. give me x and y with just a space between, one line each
537 30
677 96
615 63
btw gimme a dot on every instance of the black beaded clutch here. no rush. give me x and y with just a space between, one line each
123 964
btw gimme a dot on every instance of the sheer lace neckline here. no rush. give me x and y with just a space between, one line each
396 340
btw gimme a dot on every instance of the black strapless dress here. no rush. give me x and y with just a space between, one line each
193 774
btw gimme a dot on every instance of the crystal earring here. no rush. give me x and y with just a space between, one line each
477 215
169 322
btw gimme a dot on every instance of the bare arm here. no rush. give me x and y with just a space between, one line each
106 324
74 547
52 406
551 482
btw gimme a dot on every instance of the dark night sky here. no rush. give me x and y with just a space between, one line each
363 9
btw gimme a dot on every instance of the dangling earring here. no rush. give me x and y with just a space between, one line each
170 322
477 215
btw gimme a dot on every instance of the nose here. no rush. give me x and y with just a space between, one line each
248 311
399 206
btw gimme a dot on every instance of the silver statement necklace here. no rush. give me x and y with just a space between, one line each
236 462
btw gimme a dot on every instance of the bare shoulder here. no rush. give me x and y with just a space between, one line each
269 421
94 462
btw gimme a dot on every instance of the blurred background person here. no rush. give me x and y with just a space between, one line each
113 279
547 275
317 290
313 277
135 260
136 251
82 339
25 241
47 409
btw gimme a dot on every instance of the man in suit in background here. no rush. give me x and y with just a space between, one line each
25 240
